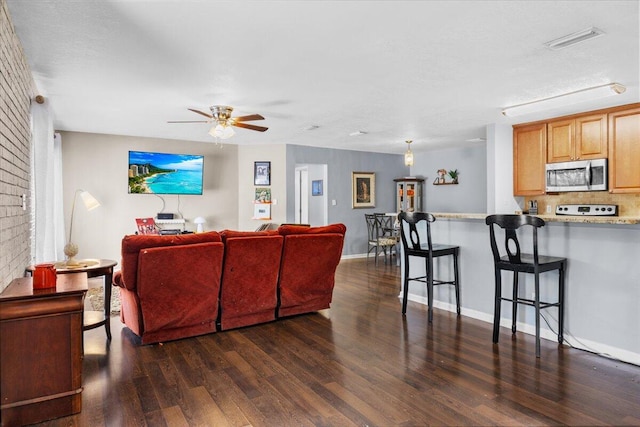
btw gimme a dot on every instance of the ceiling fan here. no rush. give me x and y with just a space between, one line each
221 116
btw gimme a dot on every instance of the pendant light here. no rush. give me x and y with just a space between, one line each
408 156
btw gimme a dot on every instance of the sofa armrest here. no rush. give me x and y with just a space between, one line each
117 279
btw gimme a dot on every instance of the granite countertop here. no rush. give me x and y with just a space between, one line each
552 218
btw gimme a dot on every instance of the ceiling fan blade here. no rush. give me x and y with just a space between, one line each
248 126
248 118
187 121
201 112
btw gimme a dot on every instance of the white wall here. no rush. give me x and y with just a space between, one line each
98 163
500 197
247 155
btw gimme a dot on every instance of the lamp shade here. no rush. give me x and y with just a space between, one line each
408 156
199 221
89 201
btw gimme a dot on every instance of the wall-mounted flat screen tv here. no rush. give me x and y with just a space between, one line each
165 173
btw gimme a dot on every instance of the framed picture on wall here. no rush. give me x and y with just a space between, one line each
363 189
262 211
316 188
263 195
262 173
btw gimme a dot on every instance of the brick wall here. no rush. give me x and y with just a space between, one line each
16 90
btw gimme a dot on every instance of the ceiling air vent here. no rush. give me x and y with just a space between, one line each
574 38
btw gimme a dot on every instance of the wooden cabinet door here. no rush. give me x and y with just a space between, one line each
624 151
591 137
560 143
582 138
529 154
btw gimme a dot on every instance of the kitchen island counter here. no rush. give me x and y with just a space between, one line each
625 220
602 281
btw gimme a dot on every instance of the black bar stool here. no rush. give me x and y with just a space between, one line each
413 245
520 262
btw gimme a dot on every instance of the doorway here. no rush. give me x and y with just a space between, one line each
311 206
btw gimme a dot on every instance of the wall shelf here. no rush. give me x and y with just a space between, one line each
170 221
445 183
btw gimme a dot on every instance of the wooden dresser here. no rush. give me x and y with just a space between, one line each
41 350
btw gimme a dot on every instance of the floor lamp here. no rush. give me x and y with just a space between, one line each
71 249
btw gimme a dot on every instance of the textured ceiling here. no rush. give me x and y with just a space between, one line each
436 72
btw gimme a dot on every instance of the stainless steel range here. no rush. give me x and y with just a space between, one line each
587 210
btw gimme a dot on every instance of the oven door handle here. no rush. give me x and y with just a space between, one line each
588 174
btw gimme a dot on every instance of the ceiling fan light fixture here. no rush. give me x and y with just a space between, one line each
408 156
221 131
576 97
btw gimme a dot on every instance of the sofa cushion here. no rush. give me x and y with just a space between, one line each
250 280
307 272
285 230
132 244
178 290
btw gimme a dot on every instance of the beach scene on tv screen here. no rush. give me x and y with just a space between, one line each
164 173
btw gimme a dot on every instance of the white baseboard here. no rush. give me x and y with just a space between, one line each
353 256
576 342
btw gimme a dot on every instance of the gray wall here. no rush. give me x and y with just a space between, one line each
341 163
470 195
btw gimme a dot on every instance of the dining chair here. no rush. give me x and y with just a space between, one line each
376 240
390 230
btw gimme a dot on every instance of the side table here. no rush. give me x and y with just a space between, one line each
41 347
93 268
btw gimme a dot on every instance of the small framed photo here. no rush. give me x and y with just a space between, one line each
363 189
263 195
262 211
316 188
262 173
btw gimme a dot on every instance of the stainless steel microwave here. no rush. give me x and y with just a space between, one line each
582 175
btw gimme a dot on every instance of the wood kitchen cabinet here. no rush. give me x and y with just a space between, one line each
529 158
41 350
579 138
624 151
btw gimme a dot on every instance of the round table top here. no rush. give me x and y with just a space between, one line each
82 265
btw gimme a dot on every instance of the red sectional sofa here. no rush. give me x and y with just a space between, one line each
180 286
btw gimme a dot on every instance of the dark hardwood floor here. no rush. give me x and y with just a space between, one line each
361 363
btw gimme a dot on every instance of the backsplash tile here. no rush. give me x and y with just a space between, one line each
628 204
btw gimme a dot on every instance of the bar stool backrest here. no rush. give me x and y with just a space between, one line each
510 224
409 222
